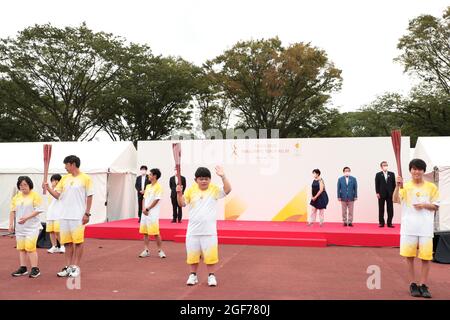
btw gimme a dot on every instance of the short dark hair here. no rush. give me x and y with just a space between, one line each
143 167
316 171
55 177
202 172
27 180
418 164
72 160
343 170
381 164
156 172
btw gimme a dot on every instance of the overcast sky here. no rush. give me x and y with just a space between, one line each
360 36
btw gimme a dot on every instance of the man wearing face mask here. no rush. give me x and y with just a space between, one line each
347 192
141 182
385 186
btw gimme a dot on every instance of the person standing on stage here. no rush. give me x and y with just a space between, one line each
319 200
384 186
347 193
141 183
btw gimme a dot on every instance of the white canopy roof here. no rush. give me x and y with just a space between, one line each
435 151
96 157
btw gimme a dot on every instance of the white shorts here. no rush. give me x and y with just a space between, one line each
71 231
410 244
149 224
206 246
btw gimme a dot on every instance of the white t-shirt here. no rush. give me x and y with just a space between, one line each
54 208
152 193
143 182
24 205
418 222
74 192
203 209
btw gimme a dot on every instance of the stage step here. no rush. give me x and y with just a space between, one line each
265 241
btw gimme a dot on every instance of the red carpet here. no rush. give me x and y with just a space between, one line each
262 233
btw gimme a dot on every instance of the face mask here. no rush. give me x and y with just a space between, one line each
347 174
143 172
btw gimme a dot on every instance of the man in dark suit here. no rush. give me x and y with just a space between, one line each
141 182
384 186
177 210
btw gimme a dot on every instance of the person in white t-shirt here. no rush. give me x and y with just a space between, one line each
75 191
53 216
201 236
419 200
26 205
149 225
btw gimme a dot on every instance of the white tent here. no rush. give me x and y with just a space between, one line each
435 151
112 166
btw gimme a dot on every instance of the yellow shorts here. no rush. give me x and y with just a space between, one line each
71 231
151 229
52 226
27 243
202 246
410 244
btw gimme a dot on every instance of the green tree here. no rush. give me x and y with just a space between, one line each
57 81
426 50
153 97
275 87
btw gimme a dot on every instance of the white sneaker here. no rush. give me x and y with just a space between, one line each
62 249
75 272
161 254
144 254
65 272
192 279
53 250
212 281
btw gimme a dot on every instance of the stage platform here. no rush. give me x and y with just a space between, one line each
265 233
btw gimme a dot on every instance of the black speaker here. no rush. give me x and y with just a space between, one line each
441 246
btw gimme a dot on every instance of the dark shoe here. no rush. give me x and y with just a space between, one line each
22 271
381 226
174 221
345 224
179 221
424 291
35 272
414 290
391 226
350 225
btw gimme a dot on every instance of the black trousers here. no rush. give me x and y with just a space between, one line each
176 209
140 199
390 210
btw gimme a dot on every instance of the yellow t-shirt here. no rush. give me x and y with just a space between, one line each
152 193
418 222
203 209
24 205
74 192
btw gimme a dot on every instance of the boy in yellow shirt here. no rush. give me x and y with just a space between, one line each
201 236
419 200
150 214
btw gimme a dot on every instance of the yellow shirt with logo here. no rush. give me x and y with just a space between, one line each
418 222
24 205
152 193
74 192
203 209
